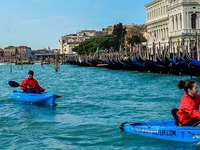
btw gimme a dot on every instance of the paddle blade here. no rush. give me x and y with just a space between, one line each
57 96
13 84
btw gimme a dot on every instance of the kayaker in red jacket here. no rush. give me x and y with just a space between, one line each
30 85
188 112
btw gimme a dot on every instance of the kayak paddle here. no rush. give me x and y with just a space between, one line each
15 84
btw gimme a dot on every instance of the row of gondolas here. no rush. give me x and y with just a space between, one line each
178 66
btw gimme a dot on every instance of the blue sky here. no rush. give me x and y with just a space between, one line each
40 23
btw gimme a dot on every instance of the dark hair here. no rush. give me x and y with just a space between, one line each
189 84
31 72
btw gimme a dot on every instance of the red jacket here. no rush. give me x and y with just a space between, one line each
188 109
30 83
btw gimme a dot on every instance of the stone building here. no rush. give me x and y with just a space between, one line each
24 51
1 54
173 25
68 42
20 52
108 30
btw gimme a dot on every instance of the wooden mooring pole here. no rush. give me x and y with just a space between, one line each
11 63
56 62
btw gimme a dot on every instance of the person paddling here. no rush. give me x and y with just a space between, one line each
188 112
30 85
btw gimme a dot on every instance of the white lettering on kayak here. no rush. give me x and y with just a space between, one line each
156 132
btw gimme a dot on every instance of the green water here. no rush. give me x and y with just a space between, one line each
95 101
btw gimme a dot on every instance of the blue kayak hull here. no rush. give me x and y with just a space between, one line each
164 129
43 98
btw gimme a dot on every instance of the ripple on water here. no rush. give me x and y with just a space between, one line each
94 102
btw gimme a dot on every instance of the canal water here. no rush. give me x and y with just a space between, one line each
94 102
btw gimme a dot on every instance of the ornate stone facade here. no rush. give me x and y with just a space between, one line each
173 25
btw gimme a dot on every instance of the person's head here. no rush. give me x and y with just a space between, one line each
30 74
189 86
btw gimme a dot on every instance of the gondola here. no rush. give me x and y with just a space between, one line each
194 67
114 65
139 66
135 65
102 63
155 67
183 66
83 63
173 67
124 65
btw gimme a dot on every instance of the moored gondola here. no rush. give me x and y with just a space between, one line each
83 63
113 65
102 63
135 65
126 66
194 67
173 67
183 66
155 67
139 66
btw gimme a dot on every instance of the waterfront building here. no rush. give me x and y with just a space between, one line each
130 31
1 55
20 52
134 30
9 51
68 42
44 56
108 30
24 52
1 52
173 25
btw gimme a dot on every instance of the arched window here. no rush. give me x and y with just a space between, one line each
193 21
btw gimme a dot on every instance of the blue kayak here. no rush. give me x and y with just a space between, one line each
43 98
163 129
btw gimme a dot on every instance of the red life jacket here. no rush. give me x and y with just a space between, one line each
30 83
188 109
